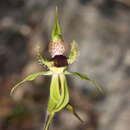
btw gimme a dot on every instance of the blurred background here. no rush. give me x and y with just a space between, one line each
102 30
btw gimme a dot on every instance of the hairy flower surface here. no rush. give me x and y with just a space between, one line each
59 93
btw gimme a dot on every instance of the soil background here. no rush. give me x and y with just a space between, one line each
102 30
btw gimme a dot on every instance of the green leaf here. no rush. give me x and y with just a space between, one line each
29 78
86 78
56 31
73 53
72 109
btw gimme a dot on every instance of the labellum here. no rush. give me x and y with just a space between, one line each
59 92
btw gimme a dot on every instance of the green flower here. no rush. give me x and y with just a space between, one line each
59 94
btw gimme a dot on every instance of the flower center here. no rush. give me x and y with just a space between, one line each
60 61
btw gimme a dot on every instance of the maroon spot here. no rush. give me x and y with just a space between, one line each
60 61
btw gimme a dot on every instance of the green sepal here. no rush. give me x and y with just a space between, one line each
64 93
86 78
29 78
73 52
54 93
55 88
56 34
72 109
49 118
59 95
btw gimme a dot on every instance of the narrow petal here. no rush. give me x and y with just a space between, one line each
72 109
86 78
42 60
29 78
73 52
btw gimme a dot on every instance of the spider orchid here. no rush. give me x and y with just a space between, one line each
57 65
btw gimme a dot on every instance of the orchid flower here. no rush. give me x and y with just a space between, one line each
59 94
